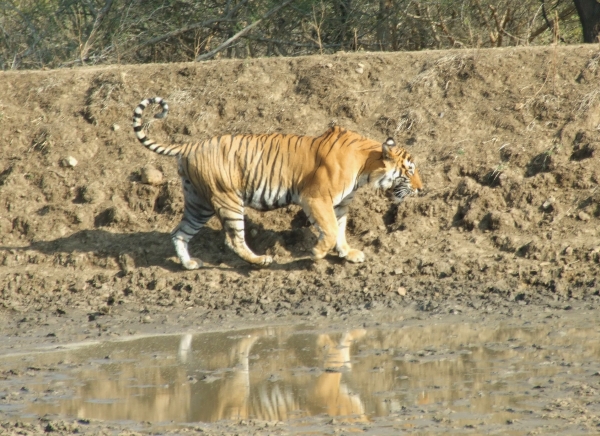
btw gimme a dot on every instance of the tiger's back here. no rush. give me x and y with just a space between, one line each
270 171
225 174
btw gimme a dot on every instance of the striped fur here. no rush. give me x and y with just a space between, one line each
225 174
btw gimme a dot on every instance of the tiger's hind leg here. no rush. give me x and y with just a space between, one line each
232 218
341 245
196 214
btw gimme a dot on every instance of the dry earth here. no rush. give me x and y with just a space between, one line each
506 141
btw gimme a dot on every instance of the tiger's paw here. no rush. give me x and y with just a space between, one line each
355 256
193 263
316 254
263 261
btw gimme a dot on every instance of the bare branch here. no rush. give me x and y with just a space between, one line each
97 23
242 32
185 29
36 37
548 23
226 19
442 25
564 14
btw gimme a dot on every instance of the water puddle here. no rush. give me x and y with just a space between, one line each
461 372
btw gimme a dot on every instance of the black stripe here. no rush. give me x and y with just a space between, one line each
245 174
185 148
196 211
294 167
183 231
331 148
230 166
280 182
230 209
270 167
257 171
298 140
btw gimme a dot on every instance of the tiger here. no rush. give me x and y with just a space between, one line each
226 174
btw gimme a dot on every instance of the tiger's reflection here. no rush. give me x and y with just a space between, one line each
261 394
232 396
285 373
329 393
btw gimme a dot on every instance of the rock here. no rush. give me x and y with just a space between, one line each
151 176
111 215
498 221
69 162
444 269
466 187
507 242
548 203
502 179
126 263
569 251
116 127
360 70
93 193
401 291
583 216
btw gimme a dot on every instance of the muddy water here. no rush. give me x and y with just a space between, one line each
462 373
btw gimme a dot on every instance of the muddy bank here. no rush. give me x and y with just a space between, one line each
506 141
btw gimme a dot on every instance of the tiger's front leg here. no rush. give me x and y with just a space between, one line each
320 213
232 219
342 247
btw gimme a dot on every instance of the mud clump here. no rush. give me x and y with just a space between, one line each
151 176
93 193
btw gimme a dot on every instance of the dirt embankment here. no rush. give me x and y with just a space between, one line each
506 141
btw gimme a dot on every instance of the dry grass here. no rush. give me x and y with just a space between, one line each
593 63
588 101
180 97
41 140
48 84
105 92
444 70
407 121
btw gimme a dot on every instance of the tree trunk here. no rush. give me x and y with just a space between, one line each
383 23
345 34
589 15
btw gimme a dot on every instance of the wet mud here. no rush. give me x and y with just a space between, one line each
411 376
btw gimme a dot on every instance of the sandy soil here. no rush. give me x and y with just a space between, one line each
506 141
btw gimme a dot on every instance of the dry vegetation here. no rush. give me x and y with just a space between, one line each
74 32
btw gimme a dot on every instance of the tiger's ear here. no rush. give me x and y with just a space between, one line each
387 145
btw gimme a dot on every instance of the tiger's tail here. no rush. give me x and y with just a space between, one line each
138 128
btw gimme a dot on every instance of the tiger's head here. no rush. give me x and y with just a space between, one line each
401 174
